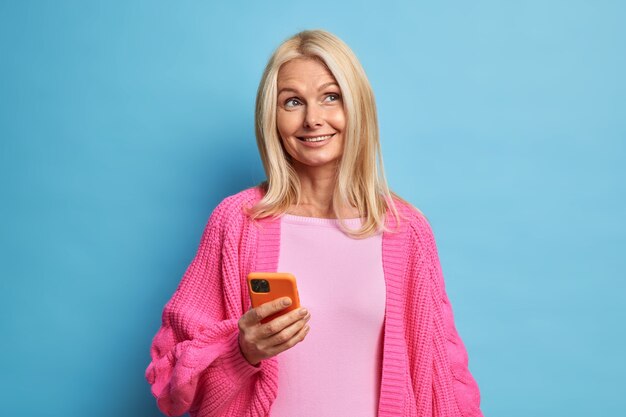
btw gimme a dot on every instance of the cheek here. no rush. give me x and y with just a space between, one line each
287 123
337 119
284 125
280 124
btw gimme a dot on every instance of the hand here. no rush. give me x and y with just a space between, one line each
260 341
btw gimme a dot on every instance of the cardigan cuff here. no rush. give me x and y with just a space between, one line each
235 364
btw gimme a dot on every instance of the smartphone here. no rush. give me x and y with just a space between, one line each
268 286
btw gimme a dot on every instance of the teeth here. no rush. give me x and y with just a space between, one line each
316 139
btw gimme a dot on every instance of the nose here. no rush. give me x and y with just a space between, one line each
314 116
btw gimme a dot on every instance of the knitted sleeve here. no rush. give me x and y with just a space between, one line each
196 361
451 375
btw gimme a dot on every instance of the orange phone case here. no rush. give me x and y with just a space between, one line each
281 284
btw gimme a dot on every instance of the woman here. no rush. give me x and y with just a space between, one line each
376 335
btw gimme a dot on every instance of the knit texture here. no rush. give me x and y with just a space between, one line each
197 366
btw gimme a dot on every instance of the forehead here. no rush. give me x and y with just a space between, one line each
304 71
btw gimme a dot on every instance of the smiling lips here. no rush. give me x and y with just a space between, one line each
315 138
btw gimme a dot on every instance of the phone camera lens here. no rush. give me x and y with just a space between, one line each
260 285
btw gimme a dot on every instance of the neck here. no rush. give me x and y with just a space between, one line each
317 185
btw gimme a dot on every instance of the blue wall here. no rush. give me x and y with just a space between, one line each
123 123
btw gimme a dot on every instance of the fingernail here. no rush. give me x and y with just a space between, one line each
303 312
286 302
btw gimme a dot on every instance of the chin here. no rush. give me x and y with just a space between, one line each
319 163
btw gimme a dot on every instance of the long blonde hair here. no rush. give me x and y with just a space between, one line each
361 181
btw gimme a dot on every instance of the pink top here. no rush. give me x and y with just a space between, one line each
336 370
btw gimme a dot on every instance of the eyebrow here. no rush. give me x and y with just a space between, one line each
321 87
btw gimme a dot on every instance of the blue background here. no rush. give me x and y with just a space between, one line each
123 123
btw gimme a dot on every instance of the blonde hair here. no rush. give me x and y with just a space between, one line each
360 178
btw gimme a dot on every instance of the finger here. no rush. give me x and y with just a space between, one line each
297 338
255 315
288 332
278 324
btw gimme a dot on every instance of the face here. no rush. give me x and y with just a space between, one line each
310 115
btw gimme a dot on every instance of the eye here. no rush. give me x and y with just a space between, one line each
292 103
332 97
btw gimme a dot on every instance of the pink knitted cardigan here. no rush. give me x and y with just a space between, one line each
196 363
